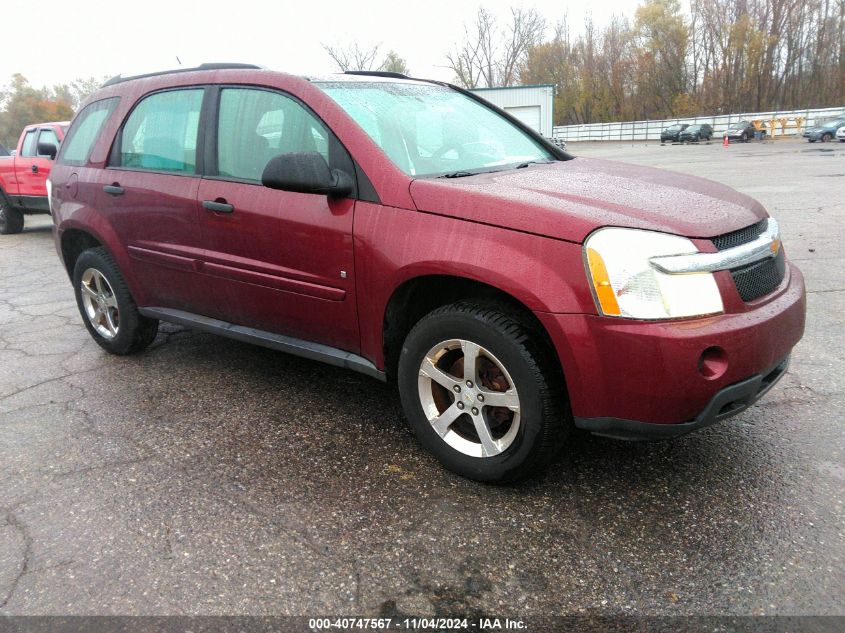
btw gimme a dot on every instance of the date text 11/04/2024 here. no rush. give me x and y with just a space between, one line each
416 624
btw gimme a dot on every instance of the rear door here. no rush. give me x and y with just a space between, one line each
148 197
281 261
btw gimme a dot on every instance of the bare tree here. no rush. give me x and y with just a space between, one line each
525 31
352 57
489 57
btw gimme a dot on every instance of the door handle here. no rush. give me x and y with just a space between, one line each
113 189
35 169
218 206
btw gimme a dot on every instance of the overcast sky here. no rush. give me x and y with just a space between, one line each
56 41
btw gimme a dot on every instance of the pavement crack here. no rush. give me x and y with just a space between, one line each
13 520
89 469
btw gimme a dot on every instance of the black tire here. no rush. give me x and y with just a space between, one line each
744 138
826 137
134 332
11 220
544 420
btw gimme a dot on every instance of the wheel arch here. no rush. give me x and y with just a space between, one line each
73 243
417 296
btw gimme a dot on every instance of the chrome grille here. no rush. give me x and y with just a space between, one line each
740 237
760 278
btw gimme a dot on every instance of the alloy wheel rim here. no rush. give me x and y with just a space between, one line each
469 398
100 303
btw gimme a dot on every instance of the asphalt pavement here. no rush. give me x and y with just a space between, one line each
206 476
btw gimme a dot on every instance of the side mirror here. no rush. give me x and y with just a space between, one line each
306 172
47 149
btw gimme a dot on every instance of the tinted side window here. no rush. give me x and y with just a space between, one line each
255 125
28 148
84 132
161 132
47 136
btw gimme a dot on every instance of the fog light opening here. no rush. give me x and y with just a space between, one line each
713 363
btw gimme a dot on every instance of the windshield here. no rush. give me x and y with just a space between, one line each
431 130
834 124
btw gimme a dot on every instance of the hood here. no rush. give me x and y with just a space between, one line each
568 200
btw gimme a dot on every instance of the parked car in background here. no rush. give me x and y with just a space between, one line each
671 133
840 134
23 176
741 131
411 231
824 132
696 132
558 141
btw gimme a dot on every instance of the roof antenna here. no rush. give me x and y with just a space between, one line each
178 61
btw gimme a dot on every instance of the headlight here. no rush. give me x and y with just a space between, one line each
625 284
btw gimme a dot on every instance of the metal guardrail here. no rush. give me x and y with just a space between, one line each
775 124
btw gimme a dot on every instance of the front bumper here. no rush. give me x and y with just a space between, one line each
726 403
651 371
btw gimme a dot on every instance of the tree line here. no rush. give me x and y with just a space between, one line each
21 104
723 56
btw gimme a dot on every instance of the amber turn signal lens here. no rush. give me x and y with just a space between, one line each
601 282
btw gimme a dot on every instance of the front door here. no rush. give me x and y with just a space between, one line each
281 261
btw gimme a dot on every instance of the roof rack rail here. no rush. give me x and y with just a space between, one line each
376 73
208 66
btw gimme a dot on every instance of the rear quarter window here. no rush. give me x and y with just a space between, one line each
84 132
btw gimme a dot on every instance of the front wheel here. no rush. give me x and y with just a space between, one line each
826 137
11 220
107 308
482 394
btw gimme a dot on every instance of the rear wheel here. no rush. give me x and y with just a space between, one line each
481 394
107 308
11 220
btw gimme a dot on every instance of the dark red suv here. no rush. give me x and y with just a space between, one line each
409 230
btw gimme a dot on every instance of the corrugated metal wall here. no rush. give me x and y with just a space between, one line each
650 130
521 96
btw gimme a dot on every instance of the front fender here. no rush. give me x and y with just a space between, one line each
393 246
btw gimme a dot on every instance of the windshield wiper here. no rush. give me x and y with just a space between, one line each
532 162
458 174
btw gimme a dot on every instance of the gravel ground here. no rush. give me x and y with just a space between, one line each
207 476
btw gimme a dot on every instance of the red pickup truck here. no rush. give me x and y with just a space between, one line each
23 177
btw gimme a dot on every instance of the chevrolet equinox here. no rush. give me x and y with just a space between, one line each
411 231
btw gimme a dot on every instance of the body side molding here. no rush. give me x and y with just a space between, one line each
295 346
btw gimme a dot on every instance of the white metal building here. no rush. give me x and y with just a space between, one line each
530 104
